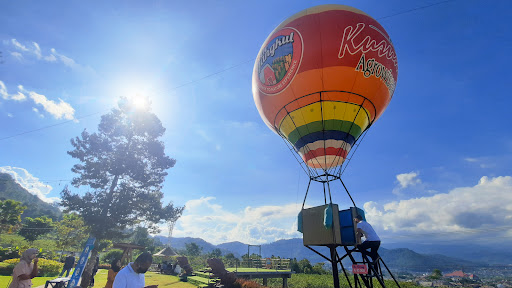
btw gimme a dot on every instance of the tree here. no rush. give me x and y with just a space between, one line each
141 237
216 253
305 266
34 227
231 260
70 231
10 215
436 274
124 164
192 249
318 269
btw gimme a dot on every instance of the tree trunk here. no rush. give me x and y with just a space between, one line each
86 275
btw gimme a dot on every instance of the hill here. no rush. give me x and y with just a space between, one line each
10 189
397 259
495 254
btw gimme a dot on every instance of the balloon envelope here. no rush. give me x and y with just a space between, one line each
321 78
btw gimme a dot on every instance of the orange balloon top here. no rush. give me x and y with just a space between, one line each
325 48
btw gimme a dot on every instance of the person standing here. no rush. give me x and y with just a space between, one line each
25 270
115 266
69 262
372 240
132 276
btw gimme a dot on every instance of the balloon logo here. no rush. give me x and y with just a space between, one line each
322 78
279 61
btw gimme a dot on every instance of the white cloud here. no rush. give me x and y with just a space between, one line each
10 115
482 162
406 180
480 214
37 112
6 96
18 45
58 110
17 55
30 183
34 50
205 219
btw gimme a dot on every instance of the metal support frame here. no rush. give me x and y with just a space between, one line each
375 271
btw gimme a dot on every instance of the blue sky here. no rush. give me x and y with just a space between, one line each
438 157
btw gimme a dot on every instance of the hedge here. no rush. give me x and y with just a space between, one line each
47 268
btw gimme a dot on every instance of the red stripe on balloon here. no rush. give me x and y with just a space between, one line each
340 152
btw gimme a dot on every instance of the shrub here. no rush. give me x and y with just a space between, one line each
9 253
244 283
111 255
6 269
47 268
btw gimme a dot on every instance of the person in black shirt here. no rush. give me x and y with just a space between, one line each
68 264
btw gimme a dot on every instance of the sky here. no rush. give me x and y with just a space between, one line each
435 166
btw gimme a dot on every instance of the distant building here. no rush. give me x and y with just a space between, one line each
461 275
457 274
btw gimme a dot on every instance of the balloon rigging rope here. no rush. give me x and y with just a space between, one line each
348 133
306 149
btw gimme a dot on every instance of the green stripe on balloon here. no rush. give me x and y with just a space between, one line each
327 125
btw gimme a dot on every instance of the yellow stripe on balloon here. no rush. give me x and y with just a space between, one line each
325 110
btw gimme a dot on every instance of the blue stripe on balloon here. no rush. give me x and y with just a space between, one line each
324 135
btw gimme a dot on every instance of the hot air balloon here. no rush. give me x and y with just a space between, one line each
322 78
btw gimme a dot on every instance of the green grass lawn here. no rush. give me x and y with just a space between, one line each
253 270
152 278
38 281
101 278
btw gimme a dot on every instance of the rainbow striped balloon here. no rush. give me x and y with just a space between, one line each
321 78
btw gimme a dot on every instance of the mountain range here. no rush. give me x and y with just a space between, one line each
10 189
406 256
396 258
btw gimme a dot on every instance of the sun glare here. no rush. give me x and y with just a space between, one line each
139 102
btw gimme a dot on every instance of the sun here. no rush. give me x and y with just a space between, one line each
139 102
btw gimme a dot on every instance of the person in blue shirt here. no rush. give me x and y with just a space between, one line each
372 240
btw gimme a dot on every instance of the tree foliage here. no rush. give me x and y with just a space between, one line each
436 274
34 227
70 231
216 253
125 165
192 249
141 237
10 215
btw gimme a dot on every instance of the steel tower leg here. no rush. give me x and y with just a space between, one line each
334 262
